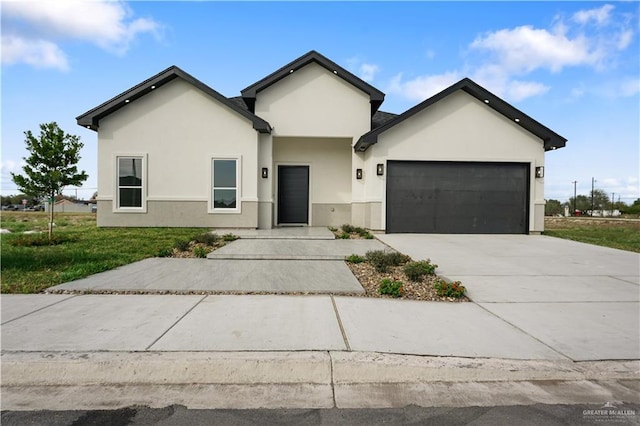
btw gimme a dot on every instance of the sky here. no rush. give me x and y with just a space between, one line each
573 66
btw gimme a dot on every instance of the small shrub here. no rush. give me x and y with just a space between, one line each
206 238
165 252
415 271
333 229
391 287
181 245
348 228
229 237
445 289
355 258
39 240
368 236
200 252
344 235
381 260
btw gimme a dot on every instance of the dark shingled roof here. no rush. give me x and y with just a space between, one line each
239 102
249 93
91 119
551 139
380 118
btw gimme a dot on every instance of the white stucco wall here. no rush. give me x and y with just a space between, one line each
180 128
329 161
313 102
458 128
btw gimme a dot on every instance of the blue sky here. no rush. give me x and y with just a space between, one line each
573 66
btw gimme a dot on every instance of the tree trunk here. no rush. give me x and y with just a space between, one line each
52 203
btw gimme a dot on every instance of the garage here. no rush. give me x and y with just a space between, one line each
457 197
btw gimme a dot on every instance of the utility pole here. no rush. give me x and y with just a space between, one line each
574 197
593 182
613 194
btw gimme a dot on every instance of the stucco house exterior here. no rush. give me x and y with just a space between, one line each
308 145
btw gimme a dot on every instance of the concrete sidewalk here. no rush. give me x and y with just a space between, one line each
106 351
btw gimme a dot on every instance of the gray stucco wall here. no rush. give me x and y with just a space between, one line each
178 214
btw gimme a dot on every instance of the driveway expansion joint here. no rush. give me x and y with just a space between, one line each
175 323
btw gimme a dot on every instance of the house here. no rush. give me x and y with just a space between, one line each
308 145
68 206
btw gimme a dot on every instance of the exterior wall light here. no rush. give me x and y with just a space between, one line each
358 173
265 172
380 169
540 171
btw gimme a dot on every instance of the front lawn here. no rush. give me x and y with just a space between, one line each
89 250
615 233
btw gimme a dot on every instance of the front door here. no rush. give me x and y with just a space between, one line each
293 194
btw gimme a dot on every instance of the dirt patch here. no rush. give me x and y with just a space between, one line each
576 222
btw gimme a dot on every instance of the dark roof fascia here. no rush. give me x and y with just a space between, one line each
551 139
91 118
249 93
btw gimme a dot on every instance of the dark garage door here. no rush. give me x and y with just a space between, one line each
457 197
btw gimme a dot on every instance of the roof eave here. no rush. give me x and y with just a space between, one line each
551 140
91 119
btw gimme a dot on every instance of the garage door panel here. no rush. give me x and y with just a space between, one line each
457 197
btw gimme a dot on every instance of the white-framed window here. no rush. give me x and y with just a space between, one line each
225 185
130 191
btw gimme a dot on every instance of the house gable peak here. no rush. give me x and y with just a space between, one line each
250 93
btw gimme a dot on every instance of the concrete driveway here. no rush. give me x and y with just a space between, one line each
580 299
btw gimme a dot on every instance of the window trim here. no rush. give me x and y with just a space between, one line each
116 198
238 187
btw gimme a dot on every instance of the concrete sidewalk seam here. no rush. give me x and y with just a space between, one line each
71 296
623 280
176 322
522 331
342 330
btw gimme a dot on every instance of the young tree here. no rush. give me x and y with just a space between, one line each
51 165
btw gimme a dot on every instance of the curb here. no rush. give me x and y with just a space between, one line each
315 379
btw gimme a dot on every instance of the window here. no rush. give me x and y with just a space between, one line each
130 183
225 184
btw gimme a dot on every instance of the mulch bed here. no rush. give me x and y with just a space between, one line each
423 290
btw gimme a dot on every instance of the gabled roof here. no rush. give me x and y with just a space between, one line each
91 119
551 139
249 93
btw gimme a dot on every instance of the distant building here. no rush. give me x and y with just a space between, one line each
68 206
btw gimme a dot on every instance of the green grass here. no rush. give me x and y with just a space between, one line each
624 235
92 249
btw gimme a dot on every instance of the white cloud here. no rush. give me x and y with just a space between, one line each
629 87
6 168
525 49
42 26
600 16
627 188
368 71
519 90
624 39
422 87
501 60
38 53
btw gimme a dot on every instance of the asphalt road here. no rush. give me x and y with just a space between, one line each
547 415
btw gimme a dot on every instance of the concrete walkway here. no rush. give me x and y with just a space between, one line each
294 260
